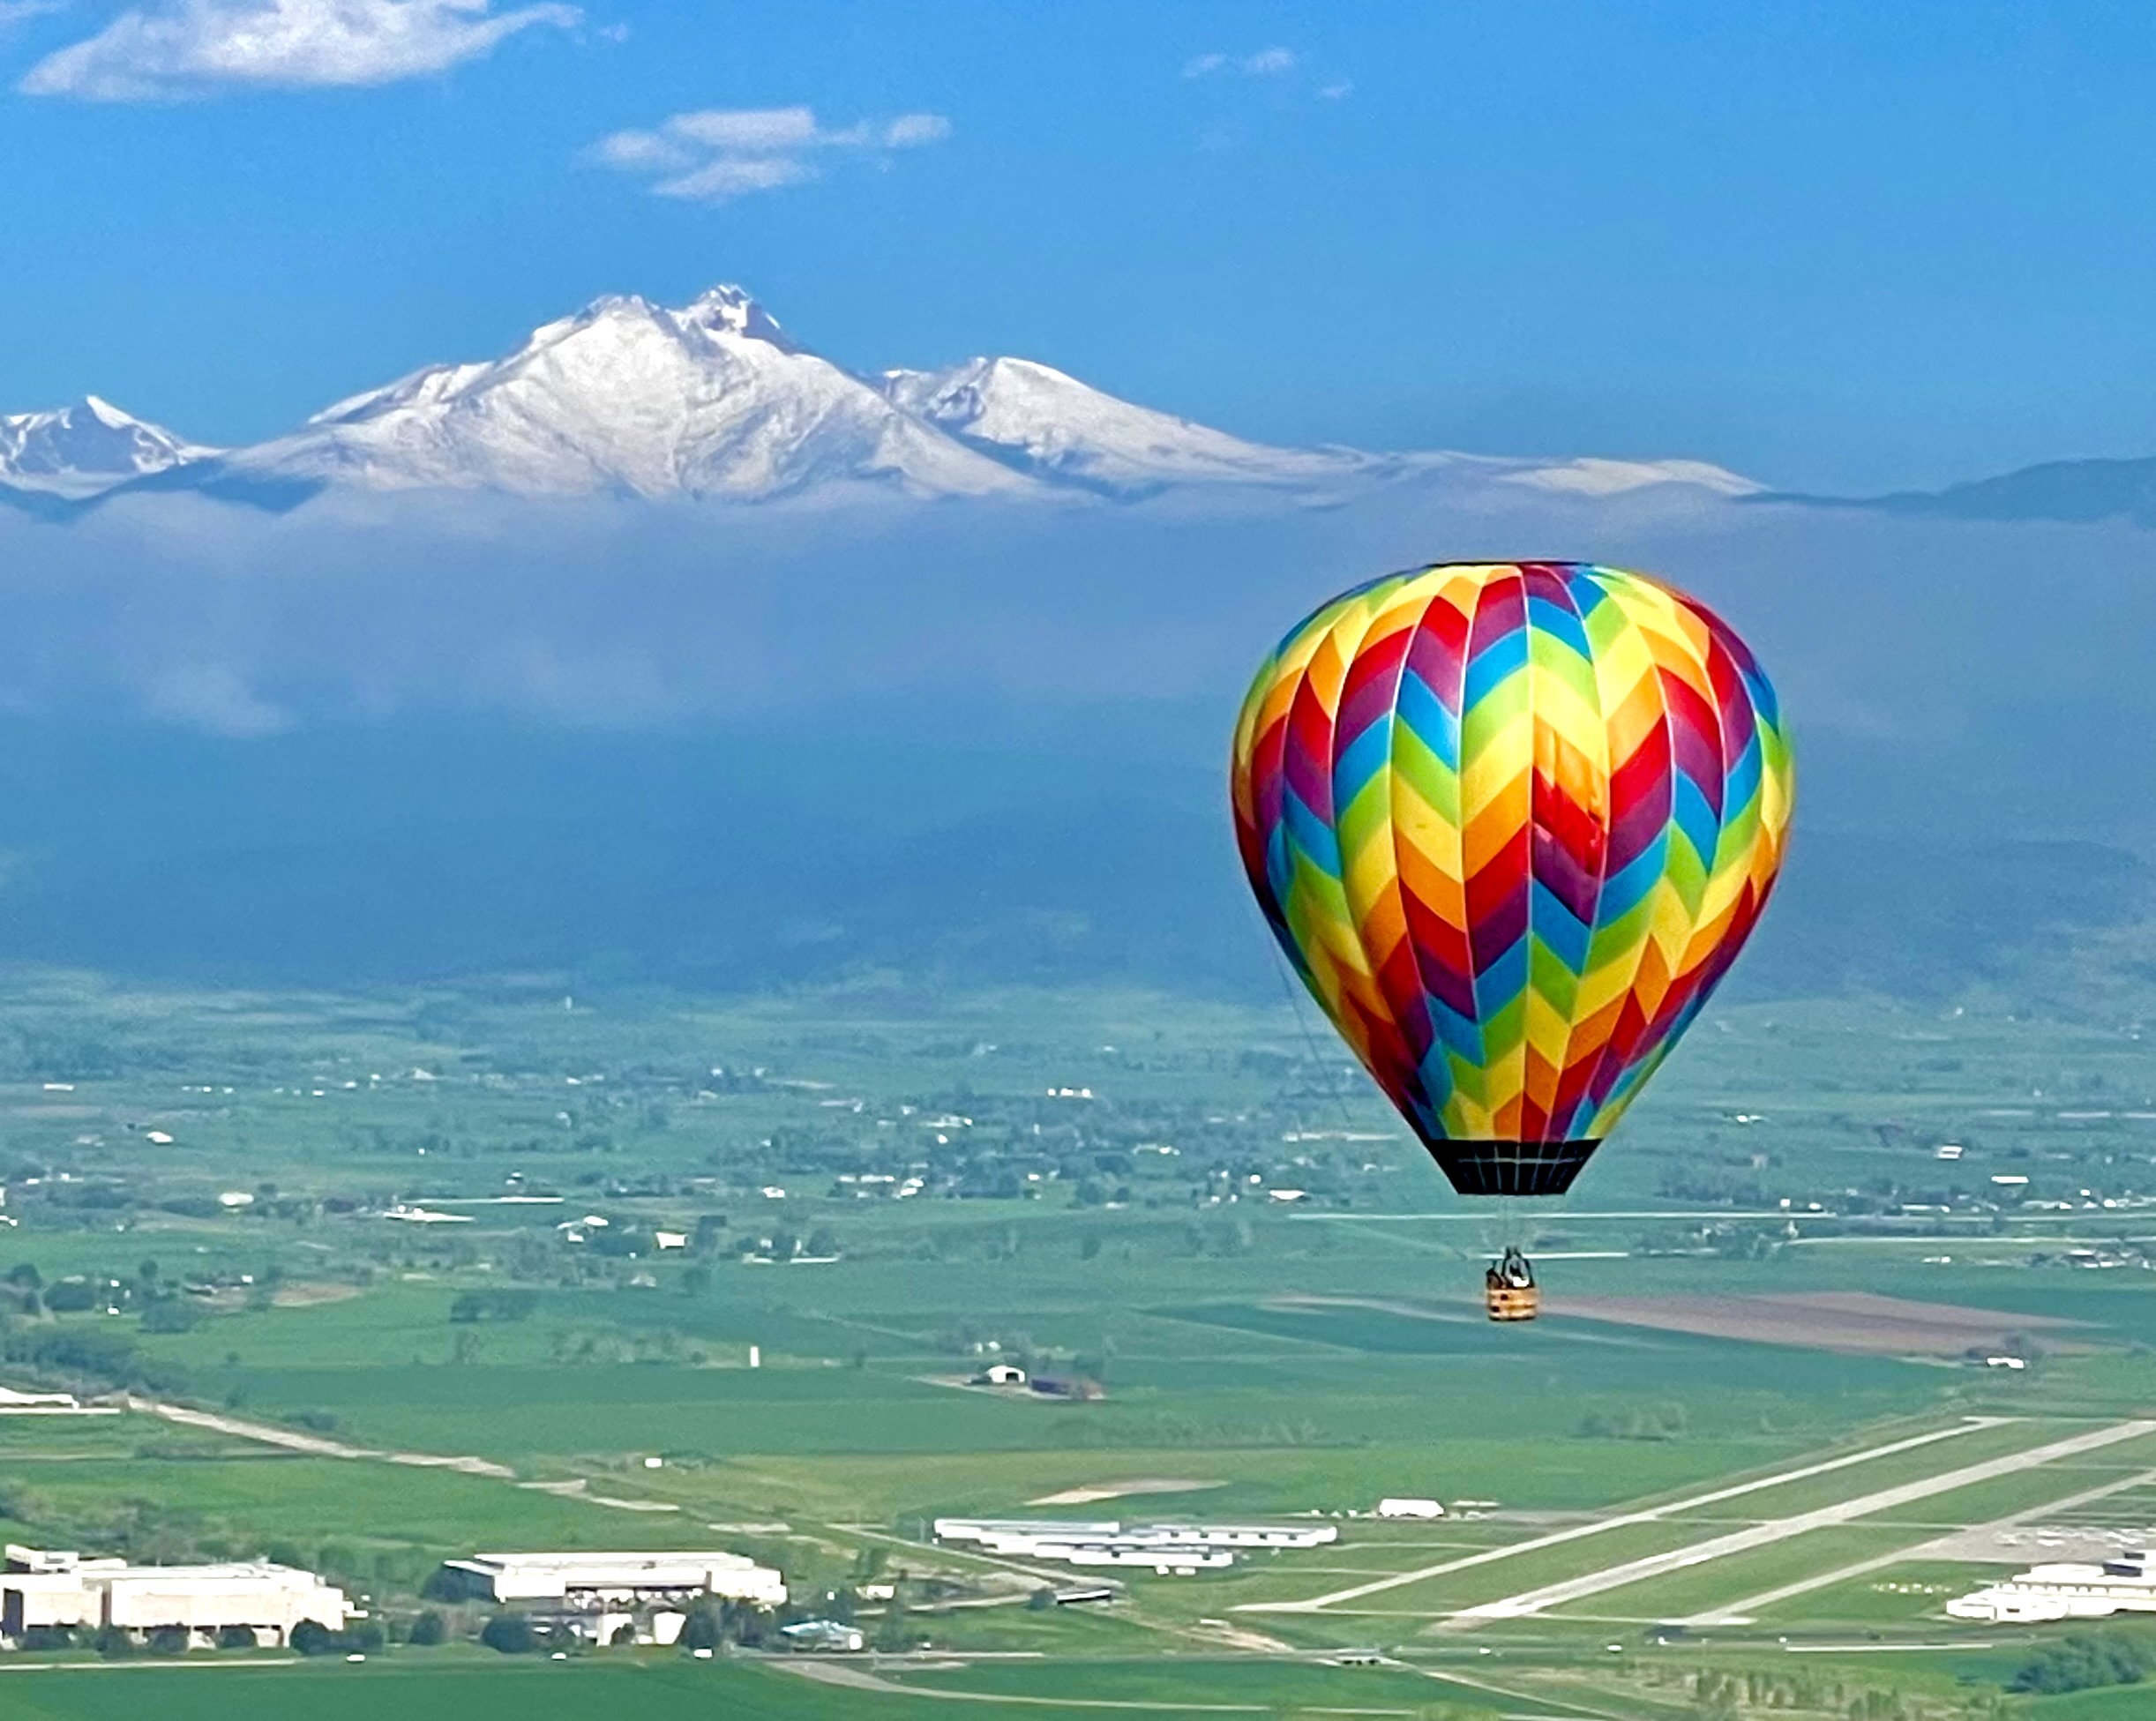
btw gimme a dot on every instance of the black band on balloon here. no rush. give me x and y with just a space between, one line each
1511 1168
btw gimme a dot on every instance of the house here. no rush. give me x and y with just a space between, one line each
1000 1374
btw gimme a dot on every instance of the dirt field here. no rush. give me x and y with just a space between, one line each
1854 1322
1144 1485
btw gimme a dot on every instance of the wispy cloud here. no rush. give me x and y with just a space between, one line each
718 153
1266 62
194 47
14 11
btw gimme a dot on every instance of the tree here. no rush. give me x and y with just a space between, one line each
511 1633
312 1637
895 1632
428 1629
700 1630
236 1637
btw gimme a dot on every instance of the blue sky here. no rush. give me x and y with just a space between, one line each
1830 245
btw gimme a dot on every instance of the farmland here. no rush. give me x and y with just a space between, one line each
388 1278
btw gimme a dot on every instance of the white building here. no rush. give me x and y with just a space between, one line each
1408 1506
600 1583
46 1589
2066 1591
823 1635
1170 1549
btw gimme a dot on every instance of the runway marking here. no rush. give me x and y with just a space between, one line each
1918 1551
1776 1529
1651 1515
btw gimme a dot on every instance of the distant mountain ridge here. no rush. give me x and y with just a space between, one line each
2086 491
715 400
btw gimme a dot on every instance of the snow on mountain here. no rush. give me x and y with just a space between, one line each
84 449
1057 428
630 398
715 400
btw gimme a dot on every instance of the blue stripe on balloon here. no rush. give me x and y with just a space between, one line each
1310 835
1437 727
1503 980
1558 927
1688 810
1505 655
1361 760
1456 1033
1560 623
1624 890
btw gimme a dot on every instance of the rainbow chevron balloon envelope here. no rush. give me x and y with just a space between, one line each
1511 822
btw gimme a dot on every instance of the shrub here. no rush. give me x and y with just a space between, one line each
170 1314
428 1629
236 1637
511 1633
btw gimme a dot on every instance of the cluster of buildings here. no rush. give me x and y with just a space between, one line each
1172 1550
2066 1590
591 1596
44 1589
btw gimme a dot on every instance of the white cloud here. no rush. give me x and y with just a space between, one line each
733 175
14 11
215 697
714 155
1266 62
1337 92
192 47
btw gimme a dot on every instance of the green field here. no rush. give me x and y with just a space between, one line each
880 1190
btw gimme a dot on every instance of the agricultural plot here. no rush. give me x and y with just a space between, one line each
1094 1196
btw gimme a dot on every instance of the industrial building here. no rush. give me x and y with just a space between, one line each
46 1589
2066 1590
1409 1505
599 1582
1170 1549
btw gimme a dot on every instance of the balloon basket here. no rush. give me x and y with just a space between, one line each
1508 1288
1514 1302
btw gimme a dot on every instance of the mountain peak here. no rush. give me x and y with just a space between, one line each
79 450
734 310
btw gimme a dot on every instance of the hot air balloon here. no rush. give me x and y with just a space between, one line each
1511 823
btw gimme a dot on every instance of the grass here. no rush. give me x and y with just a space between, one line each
1185 1302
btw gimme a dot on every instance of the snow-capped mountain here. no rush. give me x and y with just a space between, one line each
626 397
715 400
1056 428
87 448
